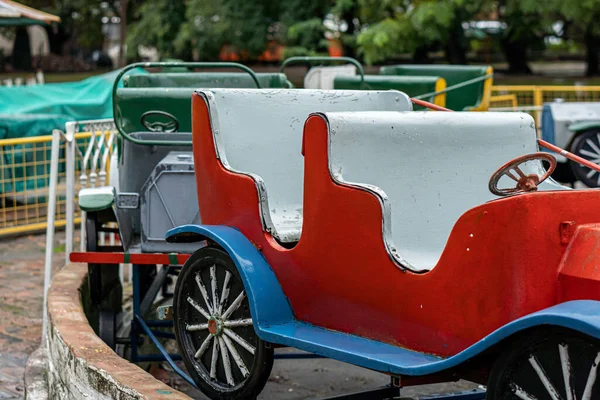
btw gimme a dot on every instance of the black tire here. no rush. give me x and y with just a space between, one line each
519 372
210 265
104 285
586 145
107 328
91 235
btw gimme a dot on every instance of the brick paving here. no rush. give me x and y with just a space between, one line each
21 298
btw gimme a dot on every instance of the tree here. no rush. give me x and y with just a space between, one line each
80 19
245 26
413 26
21 54
583 16
527 21
302 28
157 23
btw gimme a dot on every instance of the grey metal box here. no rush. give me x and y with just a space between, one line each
168 199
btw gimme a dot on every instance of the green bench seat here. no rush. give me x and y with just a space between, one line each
205 80
411 85
472 97
172 93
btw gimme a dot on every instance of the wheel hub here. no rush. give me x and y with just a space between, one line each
215 326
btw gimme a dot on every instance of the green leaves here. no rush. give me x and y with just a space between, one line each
158 25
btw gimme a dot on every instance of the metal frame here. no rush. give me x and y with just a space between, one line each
299 59
167 65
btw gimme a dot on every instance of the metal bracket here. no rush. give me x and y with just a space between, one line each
128 200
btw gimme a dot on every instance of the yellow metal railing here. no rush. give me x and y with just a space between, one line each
24 180
532 98
538 95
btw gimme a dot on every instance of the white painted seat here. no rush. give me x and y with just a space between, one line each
322 77
428 168
259 133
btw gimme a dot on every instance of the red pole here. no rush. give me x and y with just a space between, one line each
429 105
569 155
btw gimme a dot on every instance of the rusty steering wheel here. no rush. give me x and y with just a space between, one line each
525 183
169 123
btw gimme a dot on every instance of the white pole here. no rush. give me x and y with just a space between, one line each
50 226
70 195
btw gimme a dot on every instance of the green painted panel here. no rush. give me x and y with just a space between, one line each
458 99
205 80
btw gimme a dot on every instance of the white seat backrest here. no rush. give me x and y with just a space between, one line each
259 132
431 166
323 77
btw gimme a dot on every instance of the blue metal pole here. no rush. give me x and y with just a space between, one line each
136 310
162 350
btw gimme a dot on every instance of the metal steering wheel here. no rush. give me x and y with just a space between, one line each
170 125
525 183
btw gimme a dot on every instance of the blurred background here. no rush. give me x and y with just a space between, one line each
526 41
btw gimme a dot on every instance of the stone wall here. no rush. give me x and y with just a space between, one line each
80 365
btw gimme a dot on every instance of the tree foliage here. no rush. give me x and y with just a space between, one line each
374 30
80 19
246 26
156 23
407 26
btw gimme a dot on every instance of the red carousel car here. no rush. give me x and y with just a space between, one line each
429 246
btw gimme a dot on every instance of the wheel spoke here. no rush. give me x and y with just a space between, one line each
238 322
543 378
197 327
589 386
563 350
519 172
226 362
204 293
225 293
511 176
520 393
204 346
198 307
240 340
213 361
236 357
590 173
593 146
234 306
589 153
214 287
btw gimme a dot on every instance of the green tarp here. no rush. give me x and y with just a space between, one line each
28 111
54 104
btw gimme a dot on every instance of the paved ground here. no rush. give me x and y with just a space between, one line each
21 283
321 378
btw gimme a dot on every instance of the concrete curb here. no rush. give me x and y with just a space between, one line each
36 375
80 364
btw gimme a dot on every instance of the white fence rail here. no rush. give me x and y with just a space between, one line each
95 158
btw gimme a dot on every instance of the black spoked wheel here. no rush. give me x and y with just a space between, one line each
587 145
104 285
214 328
561 365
